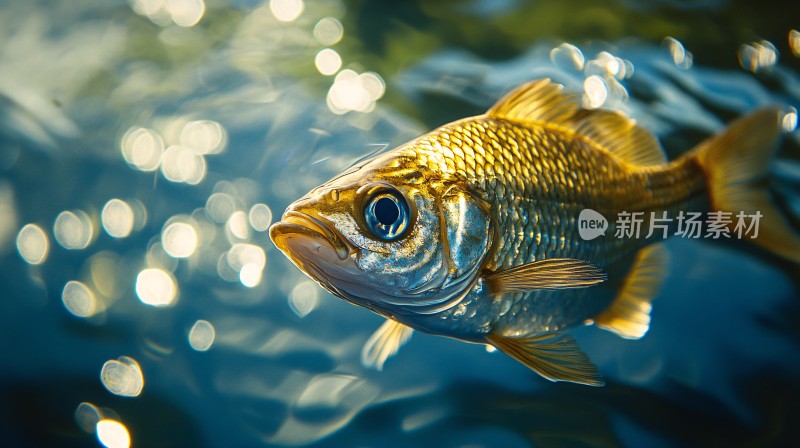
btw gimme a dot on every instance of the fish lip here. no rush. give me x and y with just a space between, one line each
294 222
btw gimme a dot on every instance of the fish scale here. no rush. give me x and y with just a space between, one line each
594 179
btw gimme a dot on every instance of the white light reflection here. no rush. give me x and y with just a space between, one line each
328 31
789 121
304 298
567 55
142 148
220 206
286 10
156 287
328 61
185 13
73 230
87 415
113 434
758 56
680 56
260 217
204 136
33 244
202 335
117 218
250 275
353 92
794 42
182 164
179 239
123 376
237 225
595 92
79 299
248 260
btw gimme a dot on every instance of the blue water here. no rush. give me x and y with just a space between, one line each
247 123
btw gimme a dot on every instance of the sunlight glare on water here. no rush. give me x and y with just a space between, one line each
220 206
113 434
33 244
122 376
142 148
185 13
758 56
353 92
794 42
87 415
789 121
202 335
595 92
179 239
117 218
204 136
156 287
182 164
328 31
260 217
286 10
73 229
680 56
568 56
79 299
328 61
304 298
237 226
248 261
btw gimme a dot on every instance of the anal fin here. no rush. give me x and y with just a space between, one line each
384 343
629 313
554 356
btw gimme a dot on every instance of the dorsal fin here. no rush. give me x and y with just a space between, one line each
621 136
544 103
537 101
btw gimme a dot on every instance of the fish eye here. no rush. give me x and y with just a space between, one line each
386 213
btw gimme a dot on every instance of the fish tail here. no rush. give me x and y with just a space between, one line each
736 164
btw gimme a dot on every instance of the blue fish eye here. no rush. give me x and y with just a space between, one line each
386 214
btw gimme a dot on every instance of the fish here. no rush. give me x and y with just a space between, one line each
471 231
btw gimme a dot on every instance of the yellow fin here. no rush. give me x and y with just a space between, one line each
621 136
629 314
554 356
737 161
552 273
544 102
384 343
536 101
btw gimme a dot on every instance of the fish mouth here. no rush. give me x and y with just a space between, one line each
295 223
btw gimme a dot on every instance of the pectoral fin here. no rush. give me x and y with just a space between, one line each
384 343
629 314
553 273
556 357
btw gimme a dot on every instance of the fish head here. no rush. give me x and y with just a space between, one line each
388 235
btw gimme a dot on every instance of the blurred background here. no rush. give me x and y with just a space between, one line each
146 146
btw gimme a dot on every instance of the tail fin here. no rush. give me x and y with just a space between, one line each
737 164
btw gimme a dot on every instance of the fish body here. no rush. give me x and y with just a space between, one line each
472 232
